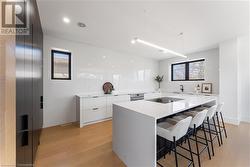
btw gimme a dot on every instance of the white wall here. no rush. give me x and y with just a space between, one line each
244 78
91 67
229 80
234 79
211 72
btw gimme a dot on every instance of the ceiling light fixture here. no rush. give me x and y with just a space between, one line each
66 20
80 24
162 49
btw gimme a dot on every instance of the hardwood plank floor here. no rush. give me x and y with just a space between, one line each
91 146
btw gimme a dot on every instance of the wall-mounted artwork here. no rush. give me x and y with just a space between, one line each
206 88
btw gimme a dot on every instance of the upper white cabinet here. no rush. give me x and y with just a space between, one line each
96 108
152 95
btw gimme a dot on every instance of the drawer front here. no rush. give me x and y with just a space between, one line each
94 102
115 99
94 114
109 112
121 98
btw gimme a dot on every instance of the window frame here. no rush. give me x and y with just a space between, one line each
186 71
53 51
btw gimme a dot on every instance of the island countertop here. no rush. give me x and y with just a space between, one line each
160 110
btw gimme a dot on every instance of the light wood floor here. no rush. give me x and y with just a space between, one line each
91 146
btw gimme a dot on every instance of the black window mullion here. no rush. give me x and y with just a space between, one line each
187 71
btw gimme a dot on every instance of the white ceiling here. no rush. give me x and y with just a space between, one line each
112 24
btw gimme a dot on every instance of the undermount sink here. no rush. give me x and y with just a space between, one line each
164 100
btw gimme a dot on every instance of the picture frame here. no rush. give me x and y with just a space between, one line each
206 88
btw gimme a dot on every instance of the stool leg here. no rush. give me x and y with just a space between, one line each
197 148
217 134
159 164
205 135
175 153
190 150
223 124
218 122
210 135
171 145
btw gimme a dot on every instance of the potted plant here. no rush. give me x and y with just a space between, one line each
159 79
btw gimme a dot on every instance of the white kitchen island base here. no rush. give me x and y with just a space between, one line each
134 127
134 138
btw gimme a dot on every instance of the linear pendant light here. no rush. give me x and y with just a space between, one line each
164 50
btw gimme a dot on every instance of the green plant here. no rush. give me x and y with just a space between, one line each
159 79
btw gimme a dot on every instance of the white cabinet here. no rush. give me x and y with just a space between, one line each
93 102
94 114
96 108
152 95
115 99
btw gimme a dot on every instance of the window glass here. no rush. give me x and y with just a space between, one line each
179 72
196 70
61 64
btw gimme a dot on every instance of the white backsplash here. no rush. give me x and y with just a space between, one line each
211 72
91 68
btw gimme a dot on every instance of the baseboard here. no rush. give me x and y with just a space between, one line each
247 120
89 123
231 121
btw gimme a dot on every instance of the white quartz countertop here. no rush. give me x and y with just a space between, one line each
160 110
114 93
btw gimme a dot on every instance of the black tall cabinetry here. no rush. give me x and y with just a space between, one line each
29 88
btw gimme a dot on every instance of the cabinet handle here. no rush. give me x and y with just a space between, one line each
95 97
95 109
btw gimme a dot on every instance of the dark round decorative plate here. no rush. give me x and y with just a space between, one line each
107 87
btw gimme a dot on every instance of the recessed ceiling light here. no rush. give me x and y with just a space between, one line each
80 24
66 20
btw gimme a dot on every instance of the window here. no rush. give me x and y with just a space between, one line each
60 65
188 71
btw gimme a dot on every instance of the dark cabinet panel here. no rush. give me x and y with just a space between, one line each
29 89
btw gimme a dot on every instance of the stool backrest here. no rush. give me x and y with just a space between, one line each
198 118
211 111
219 107
180 129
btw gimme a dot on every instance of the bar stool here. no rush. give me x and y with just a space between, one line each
173 134
210 117
220 128
195 125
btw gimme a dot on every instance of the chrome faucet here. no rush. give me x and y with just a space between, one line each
182 88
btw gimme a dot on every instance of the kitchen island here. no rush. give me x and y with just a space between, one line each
134 125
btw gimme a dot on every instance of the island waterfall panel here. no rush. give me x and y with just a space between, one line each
135 126
29 89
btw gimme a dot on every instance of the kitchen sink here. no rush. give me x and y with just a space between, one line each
164 100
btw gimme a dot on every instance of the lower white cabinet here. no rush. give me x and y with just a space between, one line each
97 108
115 99
94 114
